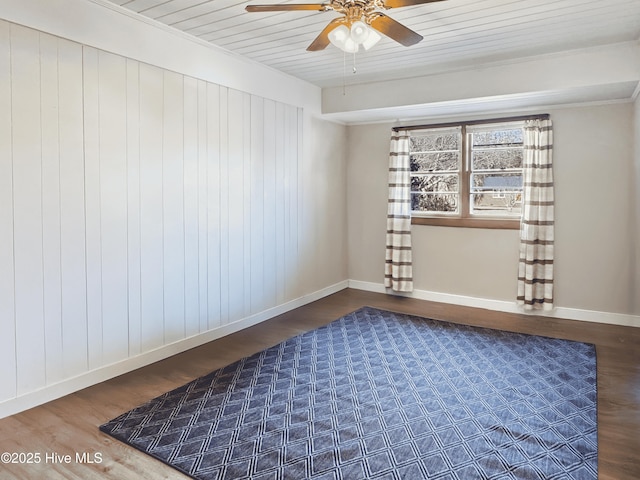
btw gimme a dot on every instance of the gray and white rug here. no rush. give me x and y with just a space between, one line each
381 395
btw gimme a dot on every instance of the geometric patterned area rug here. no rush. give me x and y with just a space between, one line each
382 395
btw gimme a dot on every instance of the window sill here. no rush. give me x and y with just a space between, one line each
504 224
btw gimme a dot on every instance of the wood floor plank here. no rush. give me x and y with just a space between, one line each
69 426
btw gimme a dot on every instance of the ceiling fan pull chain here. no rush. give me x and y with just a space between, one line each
344 73
354 63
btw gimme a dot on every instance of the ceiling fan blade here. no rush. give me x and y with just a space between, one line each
322 40
318 7
395 30
406 3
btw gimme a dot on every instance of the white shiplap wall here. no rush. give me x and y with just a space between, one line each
138 207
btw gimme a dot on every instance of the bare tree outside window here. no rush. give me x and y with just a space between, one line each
435 171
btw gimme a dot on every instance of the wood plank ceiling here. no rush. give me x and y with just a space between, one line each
457 33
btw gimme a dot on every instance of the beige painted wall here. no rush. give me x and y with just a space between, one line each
593 162
593 165
324 192
636 285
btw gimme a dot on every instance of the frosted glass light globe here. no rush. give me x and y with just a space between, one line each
339 35
359 32
372 39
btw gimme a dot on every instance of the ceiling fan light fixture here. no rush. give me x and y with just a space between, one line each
341 38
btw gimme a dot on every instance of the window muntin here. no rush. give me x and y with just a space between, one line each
467 171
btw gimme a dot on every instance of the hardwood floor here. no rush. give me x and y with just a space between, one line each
68 427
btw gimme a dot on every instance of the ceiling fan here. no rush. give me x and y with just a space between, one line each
358 26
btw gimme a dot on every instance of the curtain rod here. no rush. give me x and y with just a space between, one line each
543 116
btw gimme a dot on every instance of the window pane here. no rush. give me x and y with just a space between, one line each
498 138
496 182
437 161
437 141
434 183
496 204
496 159
434 203
496 172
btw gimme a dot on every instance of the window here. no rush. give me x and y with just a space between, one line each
467 175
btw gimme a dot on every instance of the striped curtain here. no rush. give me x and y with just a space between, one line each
398 271
535 270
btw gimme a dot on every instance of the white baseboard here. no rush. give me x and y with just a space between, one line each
65 387
505 306
70 385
